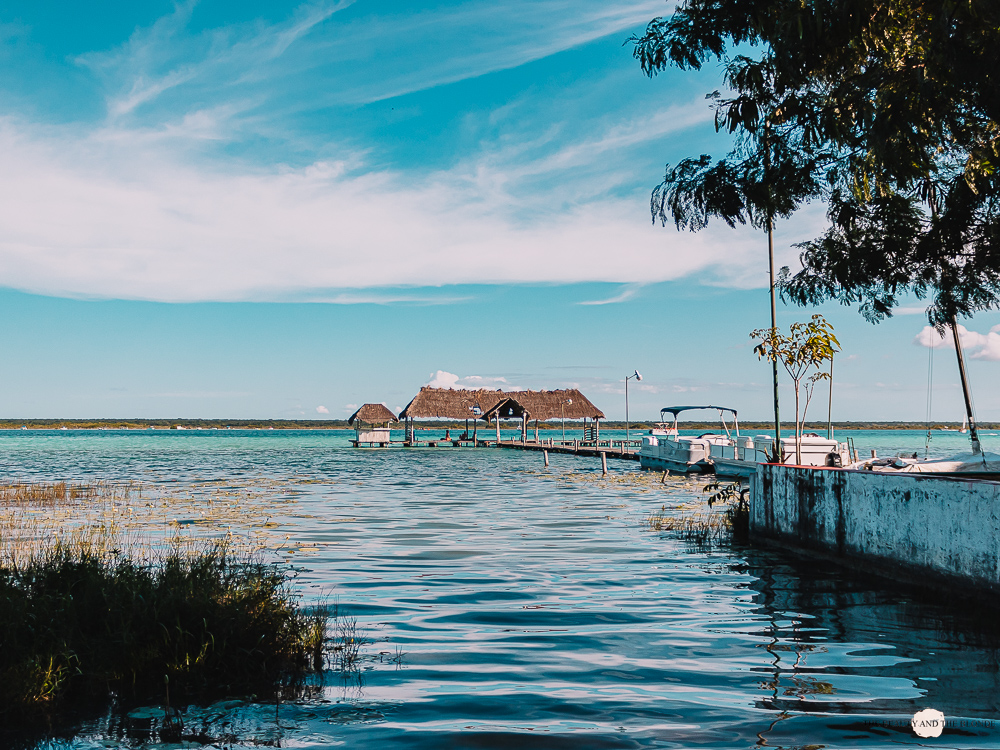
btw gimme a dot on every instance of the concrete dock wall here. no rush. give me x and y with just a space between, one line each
910 526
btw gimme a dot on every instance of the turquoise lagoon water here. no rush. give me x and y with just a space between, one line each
530 607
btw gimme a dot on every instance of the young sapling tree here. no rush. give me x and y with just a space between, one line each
805 348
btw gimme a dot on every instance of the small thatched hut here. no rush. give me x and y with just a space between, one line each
371 424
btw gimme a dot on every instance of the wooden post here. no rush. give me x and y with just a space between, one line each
536 430
475 439
597 429
498 428
524 427
663 479
546 454
604 464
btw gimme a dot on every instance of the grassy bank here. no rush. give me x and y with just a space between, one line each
94 615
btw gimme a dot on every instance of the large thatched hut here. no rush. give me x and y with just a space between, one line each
492 406
448 403
371 424
567 403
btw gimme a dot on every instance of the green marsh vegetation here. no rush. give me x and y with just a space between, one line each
725 520
94 612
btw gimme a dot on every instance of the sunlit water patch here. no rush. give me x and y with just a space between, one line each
505 604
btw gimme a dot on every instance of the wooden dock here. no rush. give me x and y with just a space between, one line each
610 448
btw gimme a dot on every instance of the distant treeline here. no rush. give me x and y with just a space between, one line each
340 424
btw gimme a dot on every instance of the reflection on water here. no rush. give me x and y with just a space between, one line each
531 607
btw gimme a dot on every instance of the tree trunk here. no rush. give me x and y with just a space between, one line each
798 428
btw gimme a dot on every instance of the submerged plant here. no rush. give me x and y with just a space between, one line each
700 528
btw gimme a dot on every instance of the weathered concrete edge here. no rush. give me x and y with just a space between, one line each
931 531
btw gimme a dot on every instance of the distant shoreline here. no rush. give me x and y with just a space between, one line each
341 424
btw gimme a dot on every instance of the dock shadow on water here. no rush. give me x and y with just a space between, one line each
486 601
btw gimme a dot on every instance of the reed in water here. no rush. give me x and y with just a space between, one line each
95 613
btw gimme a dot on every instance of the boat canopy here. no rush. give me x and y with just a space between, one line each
675 410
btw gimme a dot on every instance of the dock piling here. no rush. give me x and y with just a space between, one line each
546 454
604 464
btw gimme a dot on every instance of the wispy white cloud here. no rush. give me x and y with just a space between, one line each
494 37
112 214
368 58
142 207
322 410
629 292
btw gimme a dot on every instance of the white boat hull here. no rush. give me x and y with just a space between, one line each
733 467
678 467
683 455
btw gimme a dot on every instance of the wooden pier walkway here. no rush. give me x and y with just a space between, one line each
610 448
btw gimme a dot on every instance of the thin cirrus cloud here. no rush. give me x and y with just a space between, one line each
629 292
374 56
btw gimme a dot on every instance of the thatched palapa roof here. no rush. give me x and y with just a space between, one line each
541 405
373 414
454 403
449 403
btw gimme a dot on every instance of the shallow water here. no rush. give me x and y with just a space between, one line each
532 607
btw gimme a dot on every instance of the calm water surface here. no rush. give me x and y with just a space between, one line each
533 609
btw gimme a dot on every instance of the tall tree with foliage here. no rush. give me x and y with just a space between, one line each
889 111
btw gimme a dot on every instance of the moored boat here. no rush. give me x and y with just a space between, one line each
665 450
727 453
984 465
742 456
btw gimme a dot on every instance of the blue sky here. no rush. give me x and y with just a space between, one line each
259 209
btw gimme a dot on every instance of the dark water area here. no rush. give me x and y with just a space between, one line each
509 605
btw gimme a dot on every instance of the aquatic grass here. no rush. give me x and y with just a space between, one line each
730 525
97 615
32 515
52 493
698 527
348 640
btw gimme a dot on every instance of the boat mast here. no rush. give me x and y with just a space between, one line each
973 432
